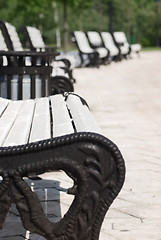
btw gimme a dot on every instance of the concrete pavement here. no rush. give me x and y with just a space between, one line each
125 99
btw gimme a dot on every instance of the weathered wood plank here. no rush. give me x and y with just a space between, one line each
82 117
7 119
41 124
20 131
3 104
62 123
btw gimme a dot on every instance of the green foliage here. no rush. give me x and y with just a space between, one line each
137 18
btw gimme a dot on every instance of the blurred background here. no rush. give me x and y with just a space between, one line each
139 19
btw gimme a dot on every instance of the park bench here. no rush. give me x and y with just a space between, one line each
109 43
122 43
35 42
49 134
97 44
88 55
60 74
71 142
122 40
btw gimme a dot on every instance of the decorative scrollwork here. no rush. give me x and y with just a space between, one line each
92 161
5 201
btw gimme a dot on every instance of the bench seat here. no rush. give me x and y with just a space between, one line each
27 121
57 133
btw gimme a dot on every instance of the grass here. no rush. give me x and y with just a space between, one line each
151 48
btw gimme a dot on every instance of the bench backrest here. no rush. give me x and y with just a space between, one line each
3 45
122 42
94 38
120 37
82 42
35 38
17 46
109 43
11 37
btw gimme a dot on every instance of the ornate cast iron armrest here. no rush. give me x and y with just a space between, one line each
98 171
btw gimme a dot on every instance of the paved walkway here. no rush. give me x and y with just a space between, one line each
125 99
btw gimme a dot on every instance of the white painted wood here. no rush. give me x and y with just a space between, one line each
17 46
3 45
20 131
61 120
7 119
41 128
96 40
83 42
136 47
30 120
14 37
82 117
102 52
38 43
3 104
109 43
120 38
36 37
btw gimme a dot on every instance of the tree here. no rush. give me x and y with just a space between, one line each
77 7
136 18
65 22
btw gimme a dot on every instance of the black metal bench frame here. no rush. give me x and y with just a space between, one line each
96 167
93 162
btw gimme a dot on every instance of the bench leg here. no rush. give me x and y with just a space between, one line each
92 161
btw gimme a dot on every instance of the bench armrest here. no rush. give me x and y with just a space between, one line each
92 161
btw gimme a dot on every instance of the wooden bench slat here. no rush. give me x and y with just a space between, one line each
62 123
20 131
41 127
3 105
8 118
82 117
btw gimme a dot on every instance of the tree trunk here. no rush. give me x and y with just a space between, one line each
65 40
129 15
111 12
56 18
80 21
